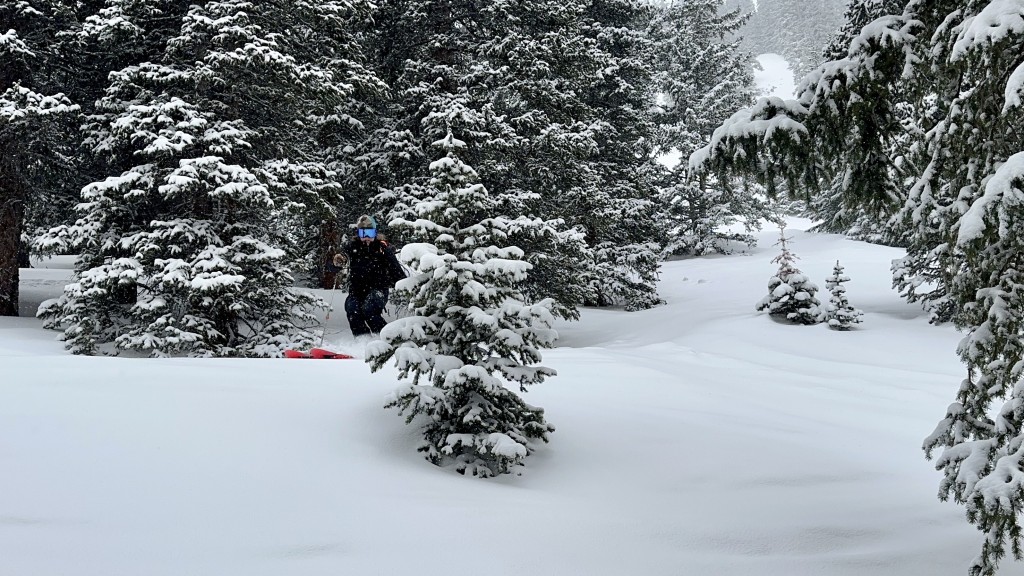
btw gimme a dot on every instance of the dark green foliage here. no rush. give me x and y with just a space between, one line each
470 328
188 249
617 208
846 132
938 83
555 96
38 159
701 79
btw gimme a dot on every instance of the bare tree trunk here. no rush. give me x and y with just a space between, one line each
11 222
330 244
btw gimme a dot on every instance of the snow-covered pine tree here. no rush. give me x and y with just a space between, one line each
520 71
850 110
839 314
37 126
859 13
701 75
542 52
966 208
340 132
701 79
617 207
185 251
842 145
958 65
836 214
95 39
791 295
469 328
699 216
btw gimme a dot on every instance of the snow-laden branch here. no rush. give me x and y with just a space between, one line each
1003 194
996 22
770 118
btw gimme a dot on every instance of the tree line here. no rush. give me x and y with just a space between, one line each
203 158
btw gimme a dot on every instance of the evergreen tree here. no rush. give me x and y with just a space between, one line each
701 78
791 295
95 39
617 208
186 251
508 96
869 222
552 143
852 112
956 66
965 207
839 314
470 327
700 217
36 126
859 13
536 78
340 134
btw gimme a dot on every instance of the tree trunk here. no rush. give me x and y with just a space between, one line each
330 244
11 221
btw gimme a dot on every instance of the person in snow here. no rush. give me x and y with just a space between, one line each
373 270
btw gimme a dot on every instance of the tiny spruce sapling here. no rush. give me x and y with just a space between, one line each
791 295
839 314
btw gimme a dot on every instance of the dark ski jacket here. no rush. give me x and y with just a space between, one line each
371 267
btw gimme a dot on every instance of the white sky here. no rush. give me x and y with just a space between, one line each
698 438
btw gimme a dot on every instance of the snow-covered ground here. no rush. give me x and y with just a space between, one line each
697 438
775 78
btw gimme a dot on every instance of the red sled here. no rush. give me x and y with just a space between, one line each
317 354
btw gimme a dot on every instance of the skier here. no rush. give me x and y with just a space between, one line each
373 270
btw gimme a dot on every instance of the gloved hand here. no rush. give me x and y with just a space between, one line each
339 260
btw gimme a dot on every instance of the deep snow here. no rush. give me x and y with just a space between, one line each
700 437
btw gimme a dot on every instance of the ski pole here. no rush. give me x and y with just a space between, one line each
330 306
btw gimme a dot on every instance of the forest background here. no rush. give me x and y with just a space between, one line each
202 160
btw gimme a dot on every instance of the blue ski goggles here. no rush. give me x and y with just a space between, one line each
367 232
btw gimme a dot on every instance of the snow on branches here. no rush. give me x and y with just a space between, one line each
470 330
772 127
839 314
791 295
189 249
